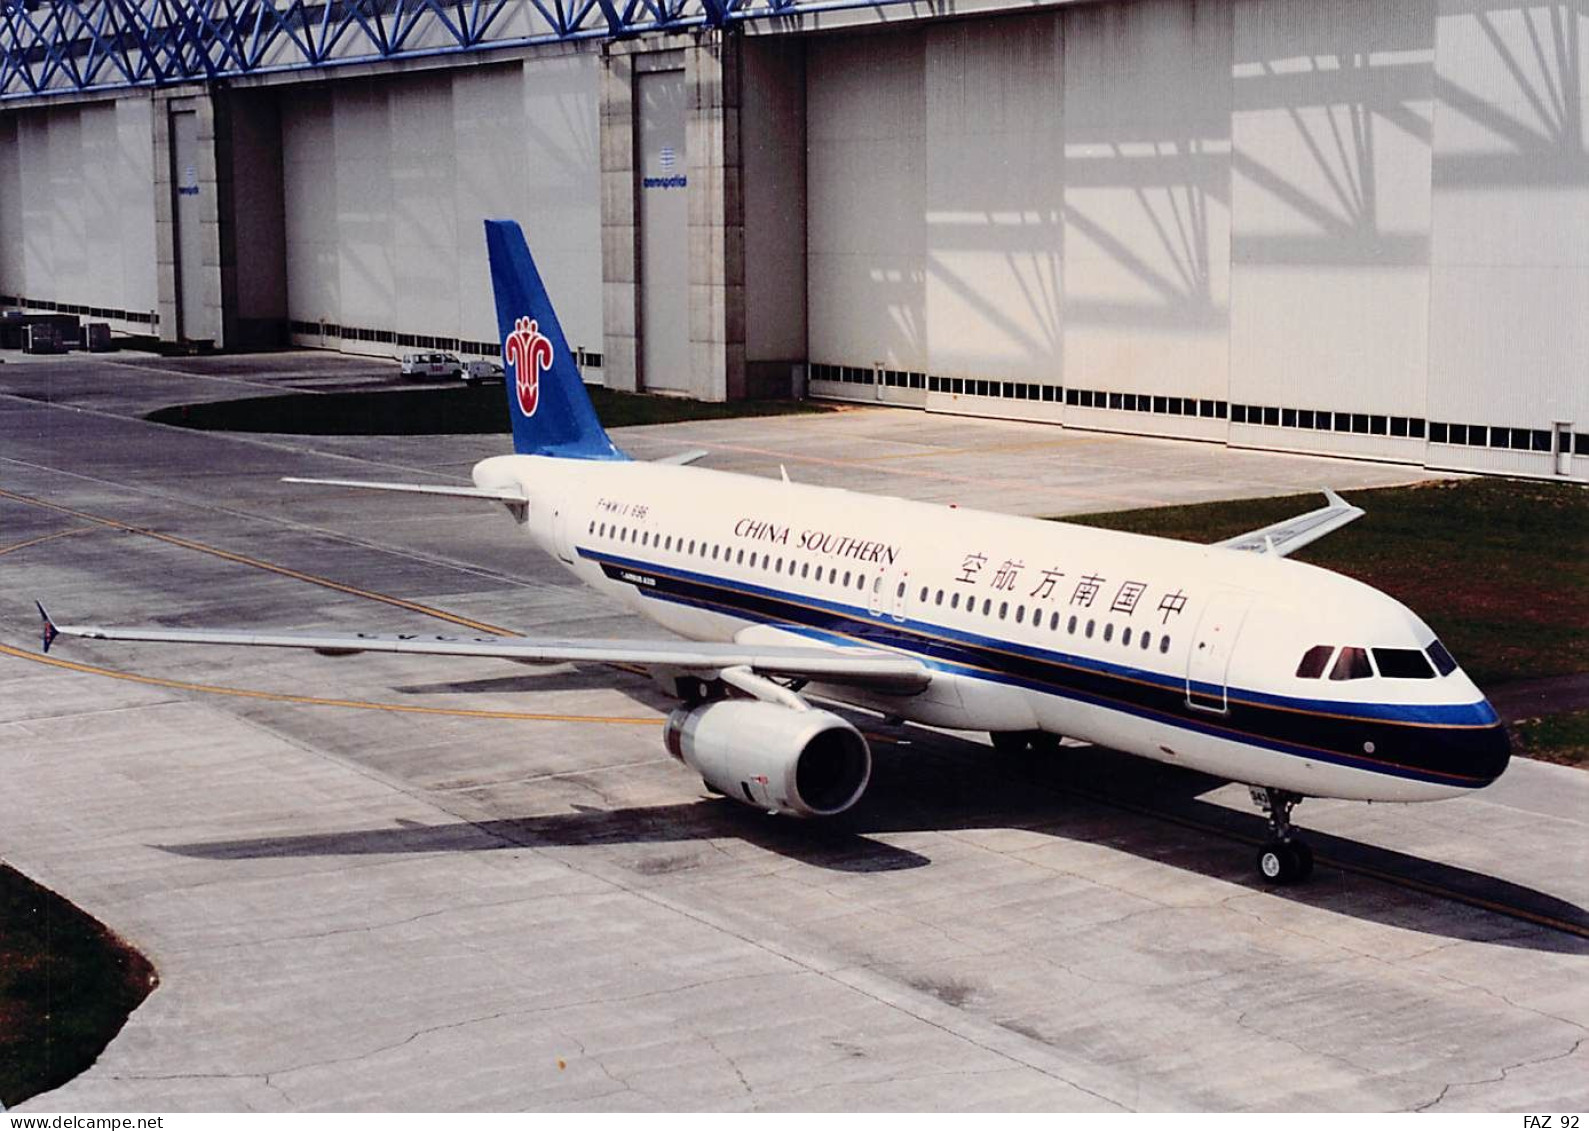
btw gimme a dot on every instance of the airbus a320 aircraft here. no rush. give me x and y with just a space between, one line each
1227 658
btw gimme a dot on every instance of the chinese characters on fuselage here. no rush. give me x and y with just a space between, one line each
1088 587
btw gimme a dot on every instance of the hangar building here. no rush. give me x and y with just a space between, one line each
1357 227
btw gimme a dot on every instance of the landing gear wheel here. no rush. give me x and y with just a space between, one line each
1011 741
1304 859
1024 741
1285 862
1286 859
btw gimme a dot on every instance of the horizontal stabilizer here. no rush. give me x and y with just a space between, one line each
1291 534
684 458
510 496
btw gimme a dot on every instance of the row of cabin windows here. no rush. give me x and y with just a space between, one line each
1389 663
1144 638
716 551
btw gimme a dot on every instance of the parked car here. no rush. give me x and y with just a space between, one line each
431 365
481 371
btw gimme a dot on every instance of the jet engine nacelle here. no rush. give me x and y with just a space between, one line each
801 763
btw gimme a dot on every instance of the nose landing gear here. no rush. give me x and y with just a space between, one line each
1286 858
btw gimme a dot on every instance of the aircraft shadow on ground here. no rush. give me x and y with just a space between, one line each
638 688
1085 795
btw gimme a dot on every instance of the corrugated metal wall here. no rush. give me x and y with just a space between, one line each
77 216
1341 226
387 183
1509 294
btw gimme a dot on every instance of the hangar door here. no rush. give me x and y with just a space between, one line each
664 233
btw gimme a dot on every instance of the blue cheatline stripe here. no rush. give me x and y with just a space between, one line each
913 633
972 656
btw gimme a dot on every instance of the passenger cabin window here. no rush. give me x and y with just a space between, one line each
1444 664
1352 663
1402 663
1314 661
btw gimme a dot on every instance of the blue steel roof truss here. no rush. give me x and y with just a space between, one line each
71 46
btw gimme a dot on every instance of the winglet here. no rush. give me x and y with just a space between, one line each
50 631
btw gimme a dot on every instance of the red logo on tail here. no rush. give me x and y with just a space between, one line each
526 352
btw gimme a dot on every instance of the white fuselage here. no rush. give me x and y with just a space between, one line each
1182 653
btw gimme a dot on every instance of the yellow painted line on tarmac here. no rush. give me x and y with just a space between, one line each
43 538
316 701
268 567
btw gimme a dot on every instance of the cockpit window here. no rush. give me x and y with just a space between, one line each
1314 661
1443 661
1402 663
1352 663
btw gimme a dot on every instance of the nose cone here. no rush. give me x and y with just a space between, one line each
1481 753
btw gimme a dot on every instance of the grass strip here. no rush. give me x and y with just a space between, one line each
67 985
451 410
1499 568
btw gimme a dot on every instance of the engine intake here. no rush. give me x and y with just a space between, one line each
800 763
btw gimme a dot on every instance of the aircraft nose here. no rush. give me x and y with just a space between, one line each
1481 753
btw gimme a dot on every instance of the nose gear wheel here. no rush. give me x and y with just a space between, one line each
1285 858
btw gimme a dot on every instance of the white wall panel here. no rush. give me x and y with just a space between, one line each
1330 200
362 128
866 175
76 205
994 239
387 184
559 203
99 174
489 119
134 205
1147 198
423 226
1509 344
65 206
309 179
12 280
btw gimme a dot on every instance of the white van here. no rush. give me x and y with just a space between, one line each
431 365
477 371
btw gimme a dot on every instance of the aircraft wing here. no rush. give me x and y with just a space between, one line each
511 497
1281 538
885 671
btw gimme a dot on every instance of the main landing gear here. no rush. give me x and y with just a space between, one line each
1024 741
1285 859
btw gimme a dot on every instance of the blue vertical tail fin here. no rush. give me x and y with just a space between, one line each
550 410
